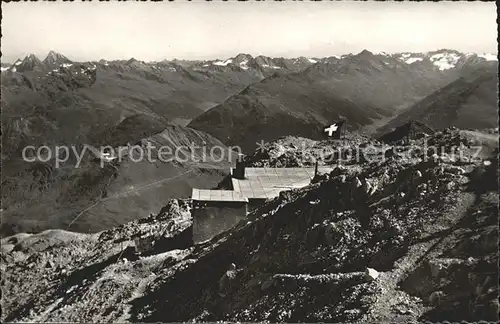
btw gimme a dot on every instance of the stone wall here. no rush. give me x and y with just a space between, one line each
212 218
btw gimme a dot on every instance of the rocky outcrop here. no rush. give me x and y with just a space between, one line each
421 247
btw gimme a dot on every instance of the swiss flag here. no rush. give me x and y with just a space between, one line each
334 130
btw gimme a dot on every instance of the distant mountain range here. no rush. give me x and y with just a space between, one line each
446 59
239 100
443 59
470 102
55 102
364 88
393 241
37 196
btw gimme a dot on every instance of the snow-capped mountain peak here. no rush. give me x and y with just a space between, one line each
55 59
31 58
445 60
223 63
488 56
30 63
240 58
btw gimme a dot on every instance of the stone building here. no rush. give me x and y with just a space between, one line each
215 211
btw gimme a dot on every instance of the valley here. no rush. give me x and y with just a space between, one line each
384 240
238 101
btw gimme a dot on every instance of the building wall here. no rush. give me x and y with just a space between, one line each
212 218
255 203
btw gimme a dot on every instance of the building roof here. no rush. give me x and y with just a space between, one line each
217 195
266 183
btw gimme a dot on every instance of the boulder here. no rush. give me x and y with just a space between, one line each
371 274
367 187
7 248
450 185
455 170
267 284
373 190
49 264
225 280
356 182
338 171
331 234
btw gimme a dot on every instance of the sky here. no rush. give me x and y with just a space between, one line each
217 30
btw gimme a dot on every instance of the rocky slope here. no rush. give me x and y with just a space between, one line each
60 103
446 59
163 91
411 237
268 110
54 60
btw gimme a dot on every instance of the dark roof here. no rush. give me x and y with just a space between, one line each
266 183
260 183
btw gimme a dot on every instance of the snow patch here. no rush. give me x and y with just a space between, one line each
270 66
488 56
243 65
65 65
4 68
445 61
71 289
313 61
413 60
225 63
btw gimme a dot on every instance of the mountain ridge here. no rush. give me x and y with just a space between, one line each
442 59
379 86
400 240
468 102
